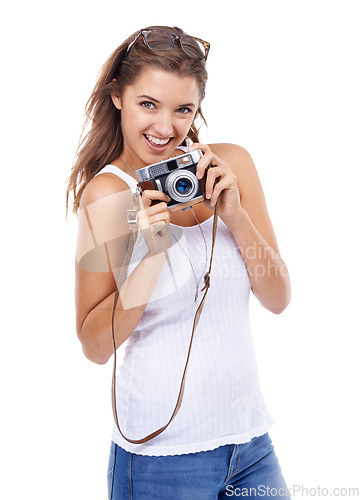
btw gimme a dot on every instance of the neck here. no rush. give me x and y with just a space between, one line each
124 165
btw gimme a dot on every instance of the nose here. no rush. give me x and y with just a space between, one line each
163 126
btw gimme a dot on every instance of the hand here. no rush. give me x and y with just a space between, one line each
221 183
153 221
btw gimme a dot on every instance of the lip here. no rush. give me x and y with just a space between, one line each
157 148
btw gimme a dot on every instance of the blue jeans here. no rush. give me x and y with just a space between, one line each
231 471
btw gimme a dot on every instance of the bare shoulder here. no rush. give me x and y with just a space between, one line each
102 187
229 149
237 157
102 222
242 165
251 193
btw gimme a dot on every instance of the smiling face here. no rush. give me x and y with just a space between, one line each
157 111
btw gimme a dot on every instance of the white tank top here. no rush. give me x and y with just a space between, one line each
222 401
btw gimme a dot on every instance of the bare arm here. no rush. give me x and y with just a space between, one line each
250 224
255 237
94 328
103 236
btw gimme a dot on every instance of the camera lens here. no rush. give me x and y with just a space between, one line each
183 186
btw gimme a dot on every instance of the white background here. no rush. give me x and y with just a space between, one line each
283 83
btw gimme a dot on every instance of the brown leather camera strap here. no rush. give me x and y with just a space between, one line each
195 323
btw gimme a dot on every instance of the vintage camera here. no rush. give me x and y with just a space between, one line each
176 177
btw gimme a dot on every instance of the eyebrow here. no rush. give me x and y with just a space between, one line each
155 100
148 97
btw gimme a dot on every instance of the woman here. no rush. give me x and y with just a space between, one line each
142 111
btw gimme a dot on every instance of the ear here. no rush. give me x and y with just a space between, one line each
116 101
115 98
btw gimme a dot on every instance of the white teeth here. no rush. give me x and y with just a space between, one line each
155 140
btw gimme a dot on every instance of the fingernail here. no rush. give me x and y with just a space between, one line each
198 175
208 195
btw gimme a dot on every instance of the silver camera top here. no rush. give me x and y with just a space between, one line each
163 167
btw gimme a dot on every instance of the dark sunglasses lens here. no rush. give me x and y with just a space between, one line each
193 48
158 40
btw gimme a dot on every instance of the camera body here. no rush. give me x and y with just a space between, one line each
176 177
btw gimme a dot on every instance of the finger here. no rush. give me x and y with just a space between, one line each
156 209
205 148
227 183
207 158
162 218
153 214
150 195
212 174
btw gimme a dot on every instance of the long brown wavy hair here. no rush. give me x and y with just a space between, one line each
103 143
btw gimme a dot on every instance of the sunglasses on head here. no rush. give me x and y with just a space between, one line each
156 39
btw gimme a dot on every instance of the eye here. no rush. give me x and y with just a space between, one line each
147 105
184 110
